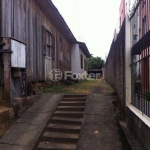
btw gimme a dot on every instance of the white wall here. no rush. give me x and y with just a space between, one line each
76 59
84 57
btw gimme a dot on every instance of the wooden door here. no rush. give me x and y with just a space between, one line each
48 68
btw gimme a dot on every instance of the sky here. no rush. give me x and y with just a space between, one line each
91 21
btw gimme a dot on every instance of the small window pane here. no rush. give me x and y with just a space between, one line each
48 51
48 38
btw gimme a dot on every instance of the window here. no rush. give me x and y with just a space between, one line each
85 64
48 44
81 62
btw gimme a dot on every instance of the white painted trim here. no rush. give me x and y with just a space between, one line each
128 62
139 114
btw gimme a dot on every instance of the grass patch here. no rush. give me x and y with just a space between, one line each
106 88
83 87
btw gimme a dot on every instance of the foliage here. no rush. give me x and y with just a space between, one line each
95 63
83 87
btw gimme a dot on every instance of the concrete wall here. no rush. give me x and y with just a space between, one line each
117 71
114 69
139 128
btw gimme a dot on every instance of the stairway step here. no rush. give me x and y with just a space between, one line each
56 146
72 103
74 95
74 99
60 137
70 108
69 113
66 120
64 128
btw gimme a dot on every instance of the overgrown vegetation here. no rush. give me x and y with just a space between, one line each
106 88
95 63
83 87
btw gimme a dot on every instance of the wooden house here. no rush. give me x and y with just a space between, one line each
34 40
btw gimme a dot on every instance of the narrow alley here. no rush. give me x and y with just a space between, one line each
68 122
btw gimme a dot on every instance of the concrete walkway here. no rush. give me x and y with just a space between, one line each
99 129
24 134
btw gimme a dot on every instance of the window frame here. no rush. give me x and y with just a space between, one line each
81 60
48 44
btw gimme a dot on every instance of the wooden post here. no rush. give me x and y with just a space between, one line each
7 73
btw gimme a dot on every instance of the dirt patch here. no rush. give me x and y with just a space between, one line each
97 90
103 88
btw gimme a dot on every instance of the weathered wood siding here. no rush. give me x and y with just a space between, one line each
1 80
23 20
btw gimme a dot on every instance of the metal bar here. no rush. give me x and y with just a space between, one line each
148 8
140 60
147 65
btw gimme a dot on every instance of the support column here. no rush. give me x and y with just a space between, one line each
7 73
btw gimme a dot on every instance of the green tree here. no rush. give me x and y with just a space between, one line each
95 63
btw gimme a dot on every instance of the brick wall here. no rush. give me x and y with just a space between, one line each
114 68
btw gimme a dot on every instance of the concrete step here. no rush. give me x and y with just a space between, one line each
56 146
72 103
63 128
70 108
75 114
74 95
66 120
60 137
74 99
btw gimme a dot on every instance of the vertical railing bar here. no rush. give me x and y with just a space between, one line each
148 51
139 100
141 14
143 43
146 58
147 24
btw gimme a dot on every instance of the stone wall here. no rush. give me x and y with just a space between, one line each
114 69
